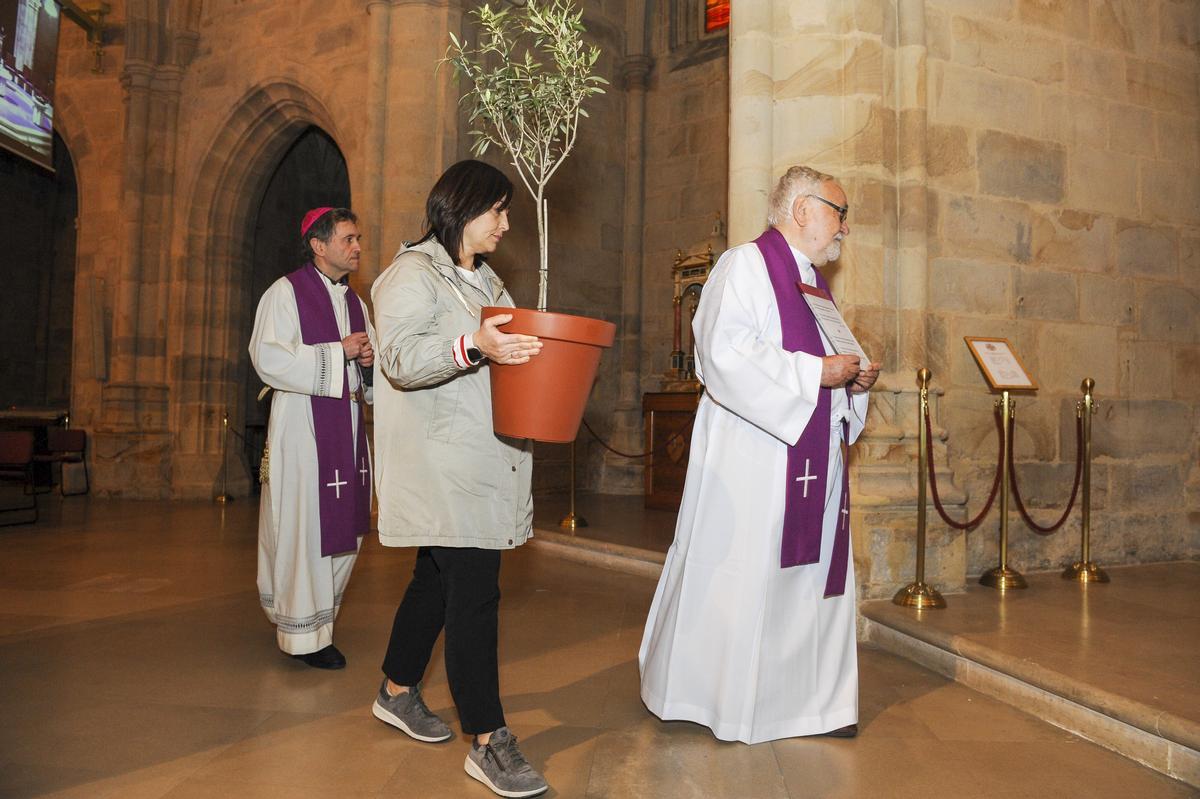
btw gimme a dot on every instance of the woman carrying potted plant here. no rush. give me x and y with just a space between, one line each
446 483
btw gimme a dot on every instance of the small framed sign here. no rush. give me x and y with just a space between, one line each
1000 365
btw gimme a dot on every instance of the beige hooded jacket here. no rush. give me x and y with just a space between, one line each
443 478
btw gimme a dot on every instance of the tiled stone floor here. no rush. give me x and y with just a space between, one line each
134 662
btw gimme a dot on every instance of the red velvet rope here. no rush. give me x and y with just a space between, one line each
937 501
648 452
1012 476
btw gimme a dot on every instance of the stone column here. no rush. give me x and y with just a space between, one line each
166 92
751 107
136 81
911 194
621 475
131 443
370 203
421 120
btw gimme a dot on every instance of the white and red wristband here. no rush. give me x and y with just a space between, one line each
464 348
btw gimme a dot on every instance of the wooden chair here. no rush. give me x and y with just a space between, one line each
16 466
63 446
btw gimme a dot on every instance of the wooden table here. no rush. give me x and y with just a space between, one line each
667 417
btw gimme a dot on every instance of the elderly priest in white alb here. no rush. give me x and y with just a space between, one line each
752 631
312 339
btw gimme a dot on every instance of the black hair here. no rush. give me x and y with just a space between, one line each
463 192
323 229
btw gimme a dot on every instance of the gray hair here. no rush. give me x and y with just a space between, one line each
797 181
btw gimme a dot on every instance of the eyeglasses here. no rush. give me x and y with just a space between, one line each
842 210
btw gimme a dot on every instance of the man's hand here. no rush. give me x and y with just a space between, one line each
506 348
838 370
353 345
366 355
865 379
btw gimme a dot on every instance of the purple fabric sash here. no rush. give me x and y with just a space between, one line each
343 486
808 458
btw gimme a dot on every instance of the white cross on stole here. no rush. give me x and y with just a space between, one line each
807 476
364 471
337 483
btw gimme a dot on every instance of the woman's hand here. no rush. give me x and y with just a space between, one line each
505 348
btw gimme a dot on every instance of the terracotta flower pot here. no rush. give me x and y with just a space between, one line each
544 398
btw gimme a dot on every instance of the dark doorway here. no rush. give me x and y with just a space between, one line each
312 173
38 275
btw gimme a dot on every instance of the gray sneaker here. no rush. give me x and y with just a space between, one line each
499 765
409 713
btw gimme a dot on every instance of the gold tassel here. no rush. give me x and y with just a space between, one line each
264 466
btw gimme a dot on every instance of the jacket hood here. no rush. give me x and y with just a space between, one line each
445 264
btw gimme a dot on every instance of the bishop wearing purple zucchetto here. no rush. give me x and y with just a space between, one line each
752 628
312 344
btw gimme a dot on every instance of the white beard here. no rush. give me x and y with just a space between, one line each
833 251
830 253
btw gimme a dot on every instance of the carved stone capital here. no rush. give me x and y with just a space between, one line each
635 71
136 76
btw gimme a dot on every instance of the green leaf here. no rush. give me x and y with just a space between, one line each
529 74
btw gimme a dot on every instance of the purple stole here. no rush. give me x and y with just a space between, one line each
343 486
808 458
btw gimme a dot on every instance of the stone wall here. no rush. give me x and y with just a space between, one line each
175 142
89 117
1015 168
1064 215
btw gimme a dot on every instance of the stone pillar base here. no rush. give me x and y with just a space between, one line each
618 474
130 464
198 476
885 542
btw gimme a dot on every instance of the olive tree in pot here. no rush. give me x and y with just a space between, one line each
530 73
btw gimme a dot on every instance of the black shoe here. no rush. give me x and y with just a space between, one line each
327 658
849 731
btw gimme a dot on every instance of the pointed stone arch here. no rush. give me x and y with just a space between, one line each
208 294
71 128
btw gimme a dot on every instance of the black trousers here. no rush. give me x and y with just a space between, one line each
457 589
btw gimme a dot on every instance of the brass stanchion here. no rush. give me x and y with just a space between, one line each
1084 570
1002 577
918 594
224 497
572 521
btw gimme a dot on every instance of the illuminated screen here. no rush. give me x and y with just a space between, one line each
28 51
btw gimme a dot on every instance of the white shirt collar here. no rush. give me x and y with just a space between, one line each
807 270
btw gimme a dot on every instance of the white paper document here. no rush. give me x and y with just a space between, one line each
830 320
